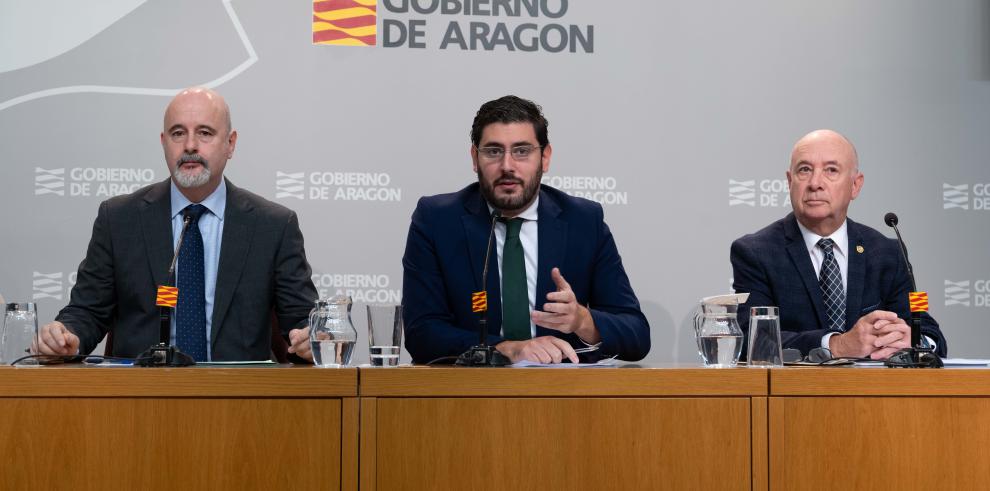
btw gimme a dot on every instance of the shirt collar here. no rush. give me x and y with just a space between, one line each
216 202
531 213
840 237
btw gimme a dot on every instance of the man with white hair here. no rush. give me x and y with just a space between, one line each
840 285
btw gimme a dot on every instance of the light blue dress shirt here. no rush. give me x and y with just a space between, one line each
211 227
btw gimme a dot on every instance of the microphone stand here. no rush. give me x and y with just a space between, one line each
918 355
164 353
481 354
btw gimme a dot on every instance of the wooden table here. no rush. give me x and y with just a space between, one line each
459 428
178 428
875 428
539 428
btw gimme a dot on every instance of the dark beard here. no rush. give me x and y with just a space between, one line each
512 203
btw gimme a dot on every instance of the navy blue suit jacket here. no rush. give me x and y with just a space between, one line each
445 253
774 267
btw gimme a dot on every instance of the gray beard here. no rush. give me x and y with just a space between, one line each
184 180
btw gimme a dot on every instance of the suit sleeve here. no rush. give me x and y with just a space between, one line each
430 324
93 300
749 275
295 293
613 304
898 302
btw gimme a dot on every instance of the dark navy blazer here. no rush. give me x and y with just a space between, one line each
774 267
445 253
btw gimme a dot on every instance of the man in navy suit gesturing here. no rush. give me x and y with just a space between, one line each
839 285
556 280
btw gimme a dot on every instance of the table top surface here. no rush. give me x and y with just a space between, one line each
623 380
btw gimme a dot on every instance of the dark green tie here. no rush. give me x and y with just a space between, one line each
515 290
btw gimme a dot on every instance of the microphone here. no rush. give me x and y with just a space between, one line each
164 353
482 354
917 356
891 220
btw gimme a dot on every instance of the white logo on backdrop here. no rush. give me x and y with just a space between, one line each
47 285
742 192
957 293
362 287
91 181
289 185
765 193
49 181
966 196
336 186
604 190
955 196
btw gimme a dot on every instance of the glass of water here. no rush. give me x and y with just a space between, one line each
764 338
20 328
384 334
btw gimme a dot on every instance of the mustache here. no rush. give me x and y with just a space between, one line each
508 180
192 157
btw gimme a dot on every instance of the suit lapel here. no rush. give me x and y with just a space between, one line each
857 273
802 262
551 248
238 231
477 226
156 227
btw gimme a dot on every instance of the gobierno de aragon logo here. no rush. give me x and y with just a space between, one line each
465 25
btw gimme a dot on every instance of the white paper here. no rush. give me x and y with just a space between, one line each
607 362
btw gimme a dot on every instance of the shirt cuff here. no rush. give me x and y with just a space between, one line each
826 337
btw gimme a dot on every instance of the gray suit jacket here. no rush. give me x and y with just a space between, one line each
262 269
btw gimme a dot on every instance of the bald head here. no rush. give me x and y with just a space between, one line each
823 178
824 138
200 97
198 141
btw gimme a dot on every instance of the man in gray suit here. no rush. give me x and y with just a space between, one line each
242 258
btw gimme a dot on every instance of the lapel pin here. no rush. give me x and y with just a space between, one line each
860 249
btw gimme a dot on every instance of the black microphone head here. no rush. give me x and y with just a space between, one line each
890 219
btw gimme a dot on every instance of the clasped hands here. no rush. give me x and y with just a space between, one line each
876 335
563 313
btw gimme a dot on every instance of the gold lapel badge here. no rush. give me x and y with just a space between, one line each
860 249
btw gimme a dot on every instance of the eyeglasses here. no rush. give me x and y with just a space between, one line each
817 356
520 153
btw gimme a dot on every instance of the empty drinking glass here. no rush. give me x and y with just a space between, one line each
764 338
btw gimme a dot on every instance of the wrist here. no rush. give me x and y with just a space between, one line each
587 331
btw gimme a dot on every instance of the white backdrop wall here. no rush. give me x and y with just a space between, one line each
678 115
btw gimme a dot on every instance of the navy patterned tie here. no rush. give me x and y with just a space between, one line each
830 280
190 313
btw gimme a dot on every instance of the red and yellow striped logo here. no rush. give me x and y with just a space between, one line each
479 301
918 301
345 22
167 296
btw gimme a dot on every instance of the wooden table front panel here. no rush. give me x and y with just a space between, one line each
560 443
879 442
121 443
